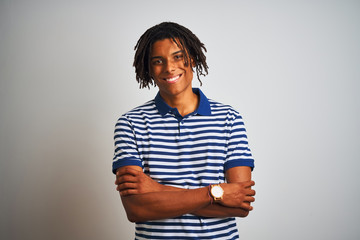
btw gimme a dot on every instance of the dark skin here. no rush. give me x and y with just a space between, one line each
145 199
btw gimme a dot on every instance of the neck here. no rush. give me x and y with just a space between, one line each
184 104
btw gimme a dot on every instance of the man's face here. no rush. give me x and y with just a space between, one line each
168 70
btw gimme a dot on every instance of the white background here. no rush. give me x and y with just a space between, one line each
291 68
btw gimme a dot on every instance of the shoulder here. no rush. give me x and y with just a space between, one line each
147 109
218 108
140 117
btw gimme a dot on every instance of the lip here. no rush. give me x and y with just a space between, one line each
172 79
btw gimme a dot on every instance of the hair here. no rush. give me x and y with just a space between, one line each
183 37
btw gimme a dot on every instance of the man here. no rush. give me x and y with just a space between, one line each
182 162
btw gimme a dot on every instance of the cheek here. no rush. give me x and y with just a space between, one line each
190 73
156 70
153 72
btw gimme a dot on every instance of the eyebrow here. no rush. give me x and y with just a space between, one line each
180 51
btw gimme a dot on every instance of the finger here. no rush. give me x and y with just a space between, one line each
132 171
246 206
125 178
124 186
248 184
128 192
122 172
250 192
249 199
125 170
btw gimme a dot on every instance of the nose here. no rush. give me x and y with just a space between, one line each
170 66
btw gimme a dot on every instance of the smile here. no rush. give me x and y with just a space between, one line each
173 79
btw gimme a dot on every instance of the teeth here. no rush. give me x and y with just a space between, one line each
172 79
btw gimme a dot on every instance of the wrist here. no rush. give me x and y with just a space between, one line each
216 192
209 194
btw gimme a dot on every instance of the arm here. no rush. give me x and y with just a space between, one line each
145 199
141 204
238 150
233 175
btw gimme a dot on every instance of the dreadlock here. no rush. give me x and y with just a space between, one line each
182 36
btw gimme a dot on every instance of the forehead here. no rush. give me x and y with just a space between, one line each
164 47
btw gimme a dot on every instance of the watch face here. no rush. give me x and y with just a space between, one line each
217 191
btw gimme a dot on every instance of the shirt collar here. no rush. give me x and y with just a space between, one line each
203 109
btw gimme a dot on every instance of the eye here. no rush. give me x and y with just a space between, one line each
179 57
157 62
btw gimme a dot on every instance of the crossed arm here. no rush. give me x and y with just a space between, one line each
145 199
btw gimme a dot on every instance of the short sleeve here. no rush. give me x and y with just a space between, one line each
238 152
126 152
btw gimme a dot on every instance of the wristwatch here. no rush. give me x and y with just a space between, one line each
216 192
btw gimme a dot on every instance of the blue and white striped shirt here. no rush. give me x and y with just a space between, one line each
186 152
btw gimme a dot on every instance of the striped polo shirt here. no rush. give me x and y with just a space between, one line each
188 152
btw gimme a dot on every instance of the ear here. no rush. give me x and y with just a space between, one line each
192 62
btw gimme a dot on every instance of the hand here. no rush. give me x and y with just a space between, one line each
238 195
130 181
